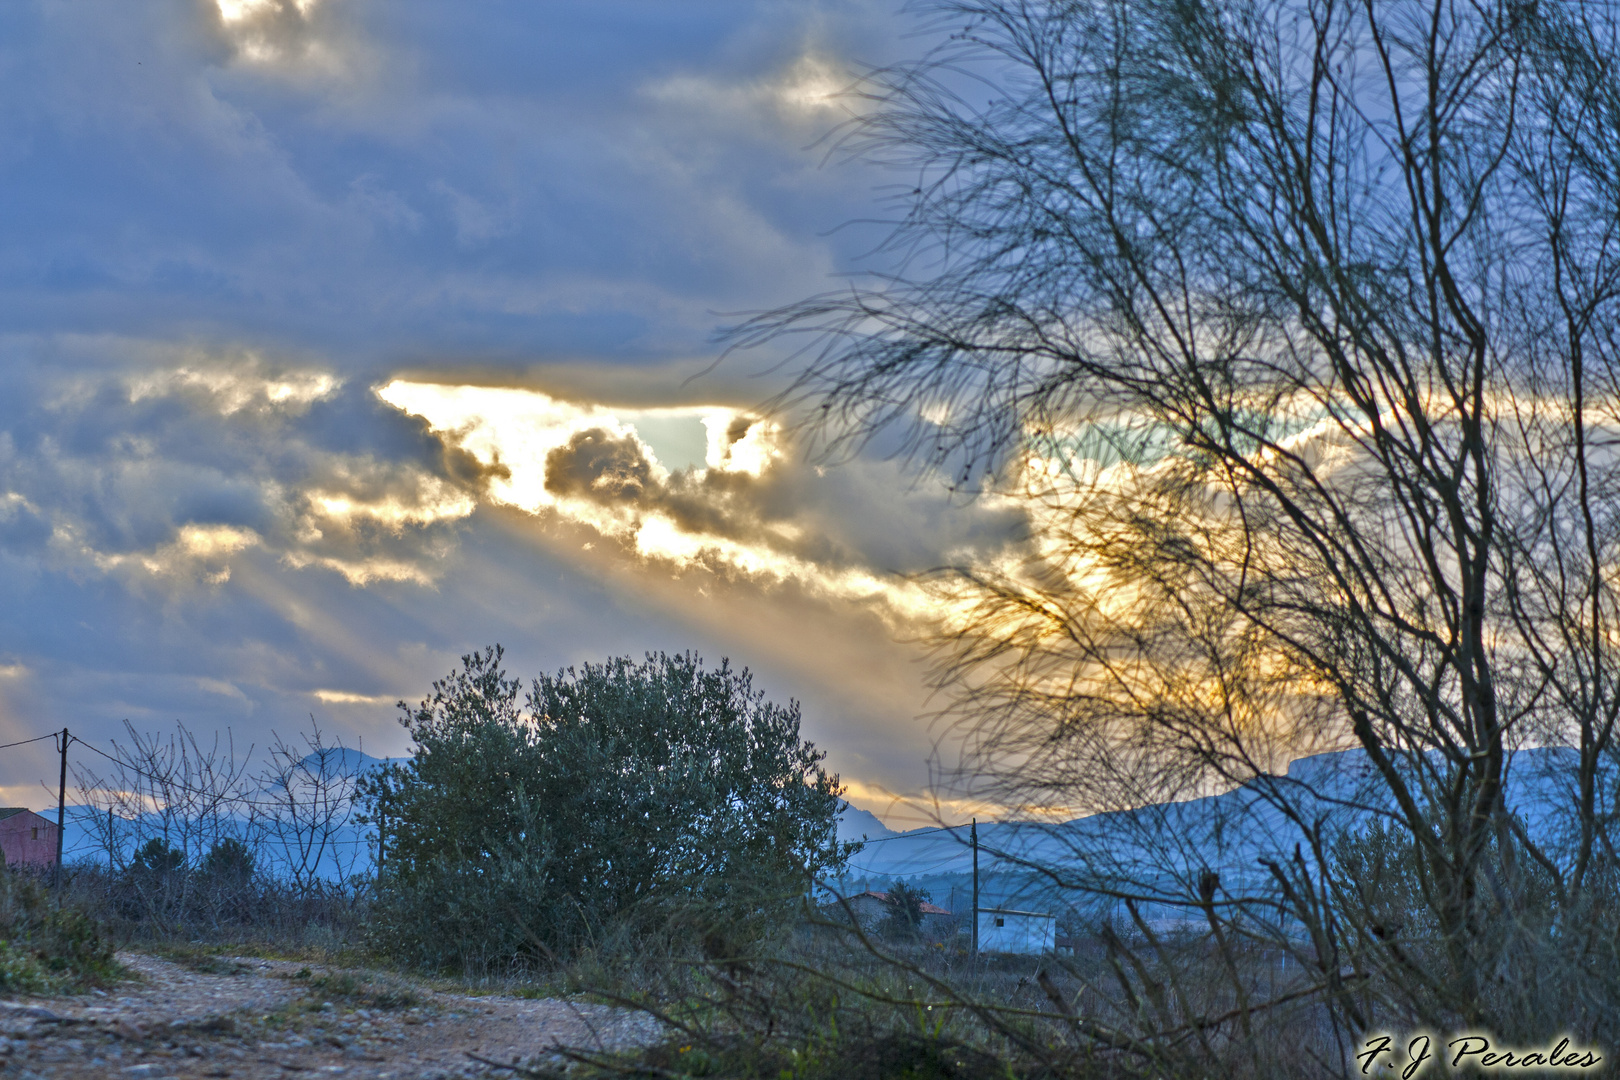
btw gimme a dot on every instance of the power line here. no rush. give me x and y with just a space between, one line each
25 742
914 832
901 870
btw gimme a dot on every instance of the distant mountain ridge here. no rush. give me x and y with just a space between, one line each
857 824
1233 833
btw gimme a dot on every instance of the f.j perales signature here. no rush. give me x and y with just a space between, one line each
1381 1055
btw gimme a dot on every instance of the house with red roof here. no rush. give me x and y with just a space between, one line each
869 908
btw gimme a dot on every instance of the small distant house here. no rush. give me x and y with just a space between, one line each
27 838
1003 930
870 907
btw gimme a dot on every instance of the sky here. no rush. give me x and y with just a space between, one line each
339 338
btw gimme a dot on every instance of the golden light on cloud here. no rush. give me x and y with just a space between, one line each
638 499
512 428
202 551
285 38
441 502
812 83
236 10
753 453
362 571
344 697
801 93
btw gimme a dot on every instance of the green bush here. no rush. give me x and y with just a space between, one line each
661 795
44 946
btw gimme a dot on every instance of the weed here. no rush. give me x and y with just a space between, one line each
46 946
202 959
356 990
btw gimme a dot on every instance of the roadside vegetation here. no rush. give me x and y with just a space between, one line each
46 946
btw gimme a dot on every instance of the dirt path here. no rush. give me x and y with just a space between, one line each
251 1019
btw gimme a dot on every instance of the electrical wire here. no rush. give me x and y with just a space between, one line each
868 870
85 821
912 833
25 742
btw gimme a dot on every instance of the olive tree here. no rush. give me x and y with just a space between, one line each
1293 326
609 796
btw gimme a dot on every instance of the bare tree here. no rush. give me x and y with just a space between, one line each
164 805
194 838
307 806
1292 325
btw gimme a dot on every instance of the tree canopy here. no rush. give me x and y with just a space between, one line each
612 792
1293 326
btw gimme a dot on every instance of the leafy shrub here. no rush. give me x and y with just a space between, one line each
662 794
44 946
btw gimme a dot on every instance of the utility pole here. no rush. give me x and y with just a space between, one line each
974 835
61 809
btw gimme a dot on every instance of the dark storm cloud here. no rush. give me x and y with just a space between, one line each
600 466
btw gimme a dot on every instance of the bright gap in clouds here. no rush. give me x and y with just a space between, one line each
519 429
636 475
236 10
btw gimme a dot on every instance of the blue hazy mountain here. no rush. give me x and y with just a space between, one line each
857 824
349 851
340 761
1162 848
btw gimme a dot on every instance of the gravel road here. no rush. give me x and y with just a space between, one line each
250 1019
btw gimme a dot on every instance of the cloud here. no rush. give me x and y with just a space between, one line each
232 384
182 472
598 465
325 549
750 510
346 335
374 180
345 697
811 90
476 222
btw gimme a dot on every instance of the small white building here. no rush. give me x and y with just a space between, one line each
1002 930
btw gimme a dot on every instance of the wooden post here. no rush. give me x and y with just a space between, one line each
974 835
61 809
